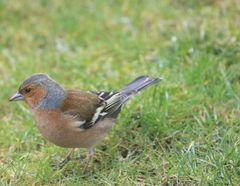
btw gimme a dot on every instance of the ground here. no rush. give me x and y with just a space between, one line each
184 131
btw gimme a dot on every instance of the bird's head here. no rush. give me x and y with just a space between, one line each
40 91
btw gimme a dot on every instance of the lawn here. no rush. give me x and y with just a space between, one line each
184 131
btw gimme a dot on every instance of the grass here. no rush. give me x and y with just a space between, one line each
185 131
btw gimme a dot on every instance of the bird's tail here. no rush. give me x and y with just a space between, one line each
137 85
114 100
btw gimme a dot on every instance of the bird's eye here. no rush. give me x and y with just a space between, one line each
27 90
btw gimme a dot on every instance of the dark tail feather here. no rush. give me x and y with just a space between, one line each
115 100
138 85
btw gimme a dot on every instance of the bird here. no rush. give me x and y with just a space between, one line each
75 118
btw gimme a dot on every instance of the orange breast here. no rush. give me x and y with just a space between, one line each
52 124
60 129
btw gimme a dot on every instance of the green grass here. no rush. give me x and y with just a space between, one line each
184 131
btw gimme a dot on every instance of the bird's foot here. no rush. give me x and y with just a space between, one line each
64 162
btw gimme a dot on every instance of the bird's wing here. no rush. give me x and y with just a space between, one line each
113 102
81 105
87 108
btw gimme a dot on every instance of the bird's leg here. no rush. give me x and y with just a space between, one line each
67 159
91 152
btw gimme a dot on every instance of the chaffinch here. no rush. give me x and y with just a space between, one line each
71 118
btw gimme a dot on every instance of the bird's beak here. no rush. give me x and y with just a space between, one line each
17 96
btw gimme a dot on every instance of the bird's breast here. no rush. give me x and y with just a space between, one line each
61 130
53 125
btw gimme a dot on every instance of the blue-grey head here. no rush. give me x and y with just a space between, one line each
40 91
